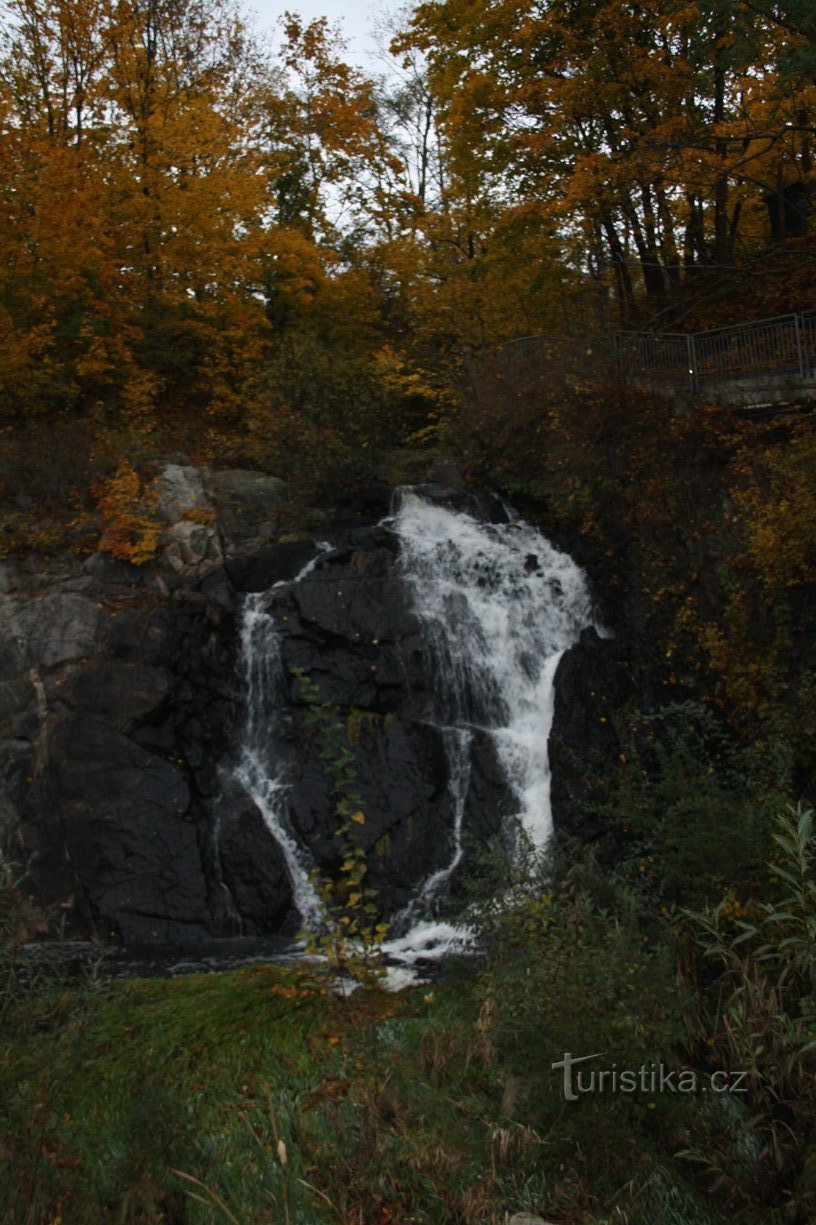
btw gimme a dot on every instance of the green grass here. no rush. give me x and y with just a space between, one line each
389 1107
166 1101
106 1093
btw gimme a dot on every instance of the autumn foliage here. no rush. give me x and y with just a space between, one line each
130 529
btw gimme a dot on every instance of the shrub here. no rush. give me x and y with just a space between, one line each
687 810
320 415
759 1015
349 935
130 528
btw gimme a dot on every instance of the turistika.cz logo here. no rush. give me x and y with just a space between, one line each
649 1078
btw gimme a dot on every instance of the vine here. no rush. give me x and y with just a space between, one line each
351 933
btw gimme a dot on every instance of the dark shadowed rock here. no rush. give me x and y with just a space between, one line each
593 681
489 799
140 633
253 867
240 487
60 628
276 563
402 773
128 833
122 695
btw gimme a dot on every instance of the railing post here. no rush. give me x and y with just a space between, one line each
799 351
692 361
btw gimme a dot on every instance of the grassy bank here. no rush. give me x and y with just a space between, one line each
257 1096
284 1103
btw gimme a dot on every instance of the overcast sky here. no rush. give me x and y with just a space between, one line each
356 18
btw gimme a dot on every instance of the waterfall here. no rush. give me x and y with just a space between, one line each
257 770
499 606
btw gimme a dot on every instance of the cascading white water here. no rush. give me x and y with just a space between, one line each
420 938
257 770
499 605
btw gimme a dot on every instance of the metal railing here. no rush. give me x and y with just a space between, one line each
766 346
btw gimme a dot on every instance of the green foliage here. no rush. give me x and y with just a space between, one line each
351 934
320 413
760 1013
21 978
687 809
568 973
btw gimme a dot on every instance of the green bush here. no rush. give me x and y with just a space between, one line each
759 1014
320 414
687 811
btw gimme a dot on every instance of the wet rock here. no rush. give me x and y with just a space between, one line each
402 773
359 601
278 563
253 867
489 799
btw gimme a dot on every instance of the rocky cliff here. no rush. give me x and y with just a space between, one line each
121 707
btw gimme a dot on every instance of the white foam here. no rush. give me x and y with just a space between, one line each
500 605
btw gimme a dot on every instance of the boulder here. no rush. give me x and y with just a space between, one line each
240 488
247 504
190 543
277 563
180 490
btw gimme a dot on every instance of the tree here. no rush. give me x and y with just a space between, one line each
130 170
646 133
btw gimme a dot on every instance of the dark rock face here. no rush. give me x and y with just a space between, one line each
402 771
129 832
257 895
122 711
593 681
